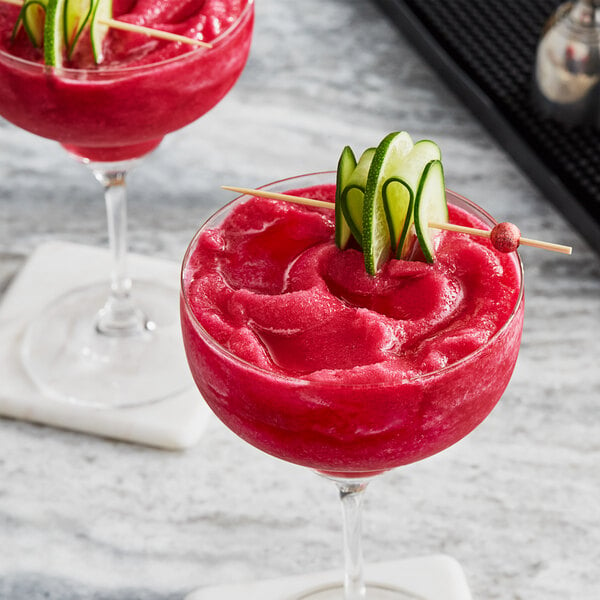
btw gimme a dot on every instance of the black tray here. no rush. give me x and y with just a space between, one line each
486 55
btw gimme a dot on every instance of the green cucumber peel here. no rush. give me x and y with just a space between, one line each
377 245
352 198
76 16
32 17
430 206
54 33
410 170
346 166
18 25
102 9
352 203
398 203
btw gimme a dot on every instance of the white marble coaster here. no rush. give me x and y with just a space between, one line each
175 423
436 577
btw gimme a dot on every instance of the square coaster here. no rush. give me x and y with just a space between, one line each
175 423
437 577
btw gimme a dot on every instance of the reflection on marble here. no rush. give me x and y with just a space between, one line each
516 502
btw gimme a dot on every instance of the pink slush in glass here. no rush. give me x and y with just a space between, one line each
124 350
306 357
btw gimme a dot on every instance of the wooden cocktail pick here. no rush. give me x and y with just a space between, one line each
498 235
149 31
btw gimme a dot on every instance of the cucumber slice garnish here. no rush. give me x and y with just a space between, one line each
346 166
18 25
60 23
398 201
376 234
409 171
102 9
353 194
430 206
54 33
76 16
32 17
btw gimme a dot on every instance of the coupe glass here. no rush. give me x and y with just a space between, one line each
116 345
350 433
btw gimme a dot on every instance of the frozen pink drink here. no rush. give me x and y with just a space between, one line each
144 88
307 357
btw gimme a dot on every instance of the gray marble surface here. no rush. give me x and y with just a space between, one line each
517 502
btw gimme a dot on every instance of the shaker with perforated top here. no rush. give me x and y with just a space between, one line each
567 69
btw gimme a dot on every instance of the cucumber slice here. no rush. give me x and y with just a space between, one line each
398 201
18 25
376 234
430 206
353 194
54 35
33 17
76 16
409 171
102 9
346 166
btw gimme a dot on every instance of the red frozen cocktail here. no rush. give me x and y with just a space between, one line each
307 357
144 87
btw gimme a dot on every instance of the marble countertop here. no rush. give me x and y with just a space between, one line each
516 502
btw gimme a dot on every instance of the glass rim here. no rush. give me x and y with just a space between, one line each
327 383
102 72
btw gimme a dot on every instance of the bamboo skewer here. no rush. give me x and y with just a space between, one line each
149 31
277 196
444 226
523 241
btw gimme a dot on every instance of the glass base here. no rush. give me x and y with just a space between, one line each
70 360
111 154
374 591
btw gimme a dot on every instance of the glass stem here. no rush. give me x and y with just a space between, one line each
119 317
351 495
